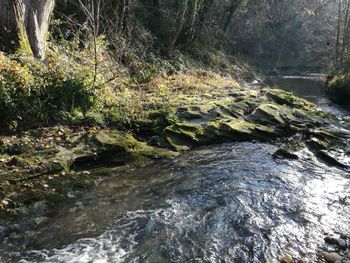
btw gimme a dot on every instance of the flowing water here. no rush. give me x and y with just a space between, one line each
223 203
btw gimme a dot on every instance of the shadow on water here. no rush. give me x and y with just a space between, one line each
225 203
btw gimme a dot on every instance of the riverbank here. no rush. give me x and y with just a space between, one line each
60 118
47 166
338 88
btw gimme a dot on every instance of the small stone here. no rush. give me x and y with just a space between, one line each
45 185
331 240
332 257
342 243
343 236
286 259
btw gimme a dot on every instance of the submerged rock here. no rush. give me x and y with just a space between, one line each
330 159
286 259
332 257
283 153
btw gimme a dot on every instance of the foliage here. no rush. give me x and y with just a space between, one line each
33 91
339 88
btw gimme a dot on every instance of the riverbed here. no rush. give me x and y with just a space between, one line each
223 203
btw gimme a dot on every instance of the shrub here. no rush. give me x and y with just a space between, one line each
338 88
36 92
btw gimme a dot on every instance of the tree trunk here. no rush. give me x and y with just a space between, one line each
337 44
26 22
235 5
345 38
180 21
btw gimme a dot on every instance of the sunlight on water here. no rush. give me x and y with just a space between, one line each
206 206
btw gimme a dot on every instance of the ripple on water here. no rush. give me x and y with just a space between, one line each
228 203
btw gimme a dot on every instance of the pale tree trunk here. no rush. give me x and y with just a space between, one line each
26 21
337 44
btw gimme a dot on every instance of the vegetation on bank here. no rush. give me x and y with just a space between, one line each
67 87
338 88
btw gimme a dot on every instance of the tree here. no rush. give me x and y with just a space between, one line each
180 22
26 23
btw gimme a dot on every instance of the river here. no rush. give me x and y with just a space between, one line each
222 203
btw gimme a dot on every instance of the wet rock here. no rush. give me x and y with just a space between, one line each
343 236
286 259
329 159
317 144
342 243
332 257
331 240
283 153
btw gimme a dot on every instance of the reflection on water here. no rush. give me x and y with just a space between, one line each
228 203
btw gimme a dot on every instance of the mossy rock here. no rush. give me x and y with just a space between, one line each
287 98
111 146
285 153
117 141
267 114
182 136
67 157
195 112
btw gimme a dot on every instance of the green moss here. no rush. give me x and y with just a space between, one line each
287 98
117 141
268 113
182 136
24 48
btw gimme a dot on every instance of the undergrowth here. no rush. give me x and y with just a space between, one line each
75 85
